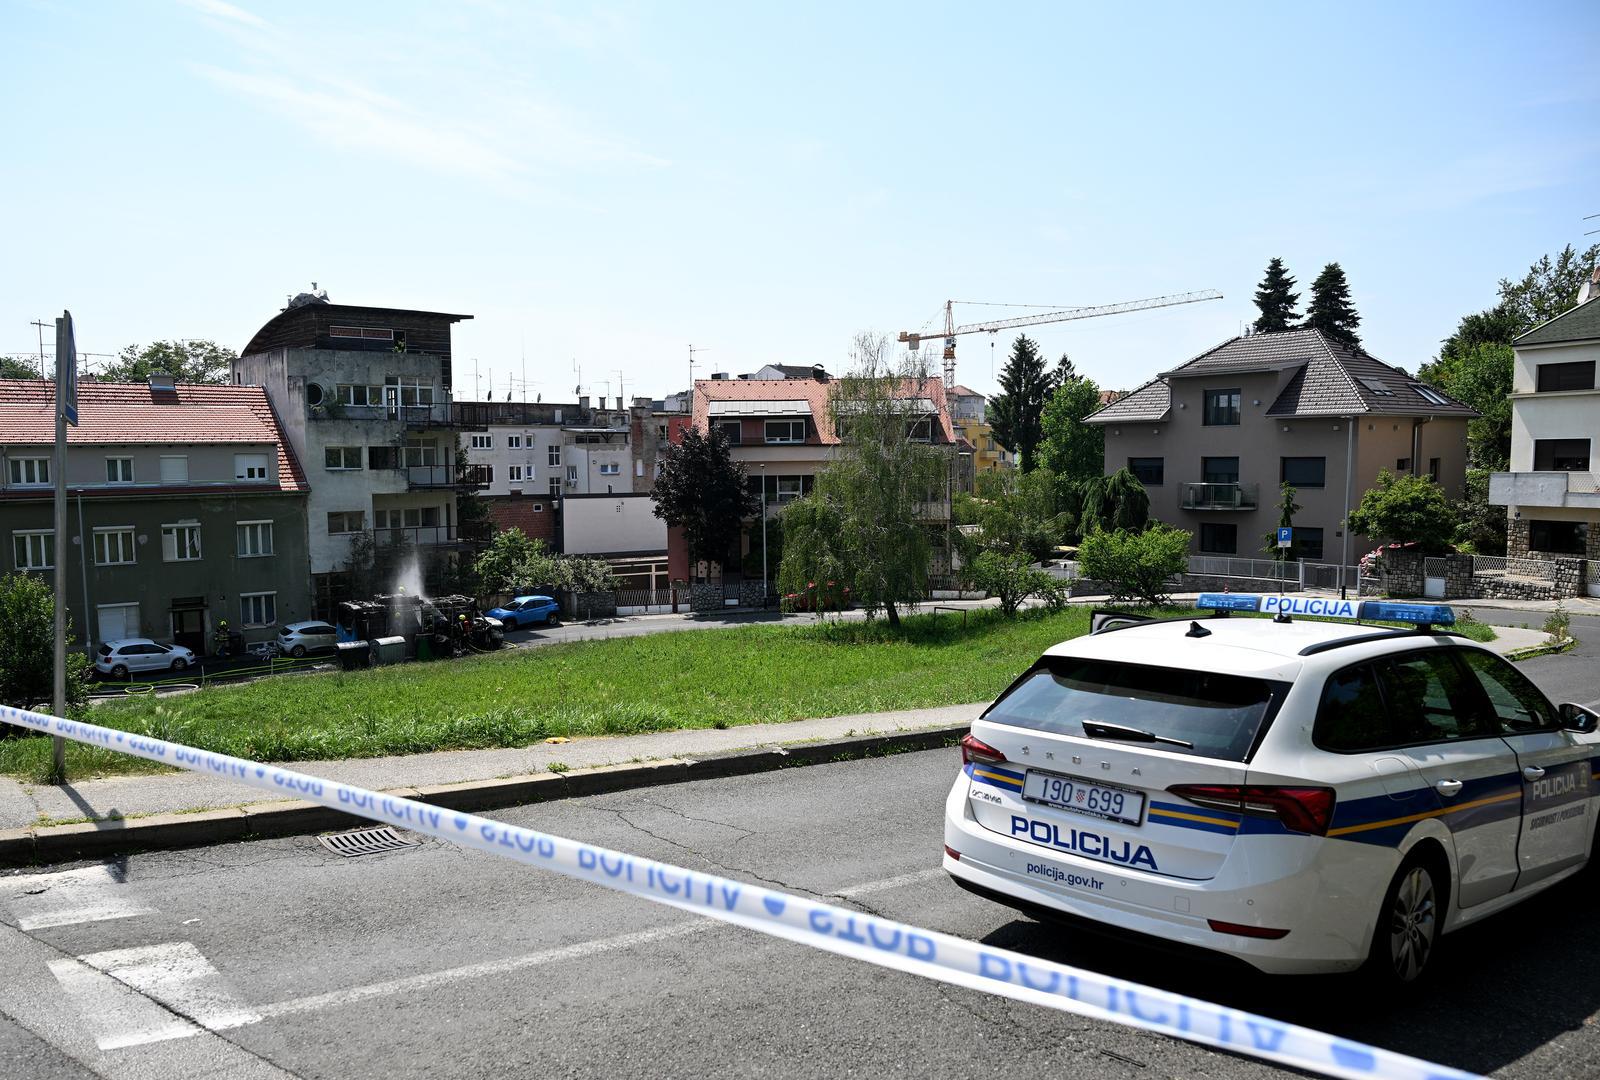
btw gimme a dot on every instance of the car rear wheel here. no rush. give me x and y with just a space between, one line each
120 671
179 663
298 651
509 623
553 622
1406 938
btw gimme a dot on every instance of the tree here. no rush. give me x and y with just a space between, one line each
812 551
877 489
514 560
702 491
1065 371
1405 510
1549 288
19 367
1015 514
27 653
1330 309
1479 375
1015 413
1135 566
1118 501
1276 300
1479 525
186 361
586 576
1287 509
1068 447
1009 579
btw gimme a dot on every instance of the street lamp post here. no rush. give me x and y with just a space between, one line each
764 588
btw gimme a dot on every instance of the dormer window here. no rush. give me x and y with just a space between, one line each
786 431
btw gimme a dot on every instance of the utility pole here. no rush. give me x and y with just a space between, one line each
66 413
764 587
40 324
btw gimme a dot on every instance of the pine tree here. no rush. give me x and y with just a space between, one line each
1275 300
1015 413
1330 309
1066 371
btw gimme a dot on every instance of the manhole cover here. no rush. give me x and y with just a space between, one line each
364 841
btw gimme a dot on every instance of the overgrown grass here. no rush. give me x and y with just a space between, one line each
624 686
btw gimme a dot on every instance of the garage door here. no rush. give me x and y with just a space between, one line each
118 621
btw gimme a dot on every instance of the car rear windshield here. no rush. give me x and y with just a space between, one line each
1223 716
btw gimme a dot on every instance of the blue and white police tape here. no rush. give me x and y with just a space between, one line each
823 926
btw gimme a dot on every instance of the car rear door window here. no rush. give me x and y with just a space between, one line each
1352 717
1407 700
1221 715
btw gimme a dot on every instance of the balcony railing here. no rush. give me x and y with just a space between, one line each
420 477
436 415
415 535
1220 496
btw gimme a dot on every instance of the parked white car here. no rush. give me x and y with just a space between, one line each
299 638
118 658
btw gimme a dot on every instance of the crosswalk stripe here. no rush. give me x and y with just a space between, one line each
151 993
88 894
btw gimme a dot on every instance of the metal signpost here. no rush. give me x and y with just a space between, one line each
66 413
1285 541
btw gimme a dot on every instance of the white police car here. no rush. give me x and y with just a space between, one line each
1306 796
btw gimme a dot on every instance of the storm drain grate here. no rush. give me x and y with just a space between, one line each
364 841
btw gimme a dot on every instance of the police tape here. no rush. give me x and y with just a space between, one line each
855 934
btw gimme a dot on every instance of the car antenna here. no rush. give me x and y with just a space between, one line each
1196 630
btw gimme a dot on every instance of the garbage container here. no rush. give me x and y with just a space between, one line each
354 655
389 650
424 647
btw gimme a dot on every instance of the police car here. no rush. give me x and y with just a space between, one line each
1307 796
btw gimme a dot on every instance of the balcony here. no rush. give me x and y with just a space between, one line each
416 417
1554 488
433 477
1220 496
416 535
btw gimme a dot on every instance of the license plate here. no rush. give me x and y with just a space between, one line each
1083 797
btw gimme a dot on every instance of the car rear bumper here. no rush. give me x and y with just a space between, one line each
1327 896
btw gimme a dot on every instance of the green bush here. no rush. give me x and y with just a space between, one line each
1011 579
1135 566
1406 510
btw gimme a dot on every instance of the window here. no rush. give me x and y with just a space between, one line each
359 395
483 442
555 486
258 609
30 470
514 474
1557 537
1574 376
789 487
34 549
421 453
1151 471
513 442
1303 472
1307 544
1433 469
1420 697
537 508
421 517
119 470
1219 539
1219 470
254 466
1429 394
1222 408
572 473
1377 386
398 391
786 431
346 521
609 468
341 458
365 332
383 457
1561 455
1517 704
730 430
180 542
1402 465
117 621
916 431
254 539
174 468
554 459
114 546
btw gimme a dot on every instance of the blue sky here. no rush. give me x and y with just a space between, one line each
604 185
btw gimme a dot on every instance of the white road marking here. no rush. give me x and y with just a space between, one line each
891 883
88 894
143 995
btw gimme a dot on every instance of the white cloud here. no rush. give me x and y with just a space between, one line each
217 9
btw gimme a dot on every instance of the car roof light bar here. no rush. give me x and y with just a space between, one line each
1421 615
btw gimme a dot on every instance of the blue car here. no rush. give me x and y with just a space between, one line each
528 611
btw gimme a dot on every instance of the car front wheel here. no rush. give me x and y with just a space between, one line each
179 663
1409 923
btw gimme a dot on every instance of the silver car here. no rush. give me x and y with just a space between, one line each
297 639
118 658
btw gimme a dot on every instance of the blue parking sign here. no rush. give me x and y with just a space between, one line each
1285 537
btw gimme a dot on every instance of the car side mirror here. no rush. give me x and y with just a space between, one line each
1577 718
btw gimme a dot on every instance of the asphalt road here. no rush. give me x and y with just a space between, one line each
439 962
1570 676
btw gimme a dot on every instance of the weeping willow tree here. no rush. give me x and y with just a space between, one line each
868 521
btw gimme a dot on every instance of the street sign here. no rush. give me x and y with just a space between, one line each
1285 537
66 369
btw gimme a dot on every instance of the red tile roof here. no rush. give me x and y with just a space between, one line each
814 393
126 413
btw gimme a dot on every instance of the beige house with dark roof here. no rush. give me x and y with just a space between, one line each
1213 438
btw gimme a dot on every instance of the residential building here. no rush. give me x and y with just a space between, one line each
788 371
967 414
1550 494
363 395
623 530
187 509
1213 439
782 432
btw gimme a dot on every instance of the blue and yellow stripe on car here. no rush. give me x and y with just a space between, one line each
1194 817
995 776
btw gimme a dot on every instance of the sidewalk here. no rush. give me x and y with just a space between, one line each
49 823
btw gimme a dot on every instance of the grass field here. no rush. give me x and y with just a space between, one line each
689 679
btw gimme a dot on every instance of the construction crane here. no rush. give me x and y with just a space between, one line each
1065 314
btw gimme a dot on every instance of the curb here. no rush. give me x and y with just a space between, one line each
162 832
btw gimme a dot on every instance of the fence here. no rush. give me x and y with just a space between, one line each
1228 567
1533 570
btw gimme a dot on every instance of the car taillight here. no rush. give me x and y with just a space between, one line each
952 852
974 751
1246 931
1303 809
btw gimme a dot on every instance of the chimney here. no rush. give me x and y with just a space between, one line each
620 406
583 402
719 376
818 373
160 380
